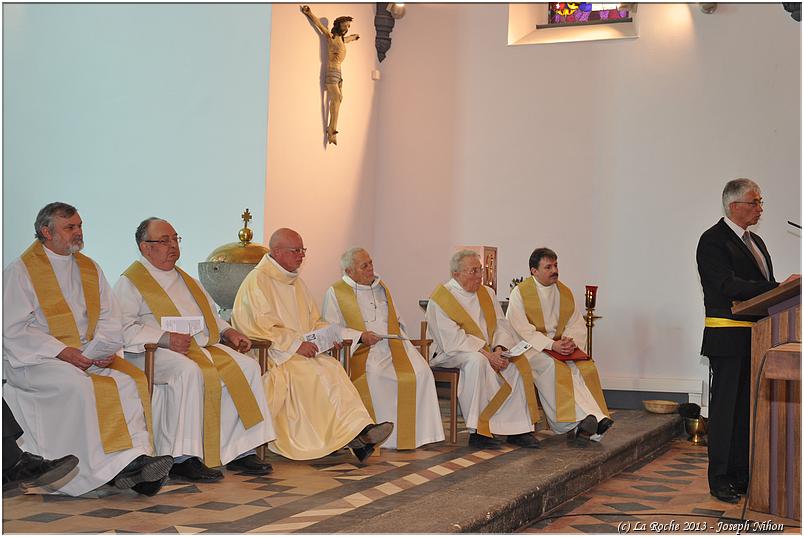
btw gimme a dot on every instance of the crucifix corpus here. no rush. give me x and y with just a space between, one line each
336 52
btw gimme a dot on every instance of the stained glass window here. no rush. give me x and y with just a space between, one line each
580 13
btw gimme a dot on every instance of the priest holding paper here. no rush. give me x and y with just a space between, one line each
394 380
208 399
469 331
315 407
542 311
69 390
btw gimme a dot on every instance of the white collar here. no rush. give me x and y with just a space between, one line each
151 267
453 283
539 284
734 227
360 286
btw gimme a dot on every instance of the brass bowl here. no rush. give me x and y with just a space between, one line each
660 406
696 428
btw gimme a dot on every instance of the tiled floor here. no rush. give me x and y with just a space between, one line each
297 496
657 494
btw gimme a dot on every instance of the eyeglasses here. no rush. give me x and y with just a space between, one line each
473 271
165 241
296 251
755 203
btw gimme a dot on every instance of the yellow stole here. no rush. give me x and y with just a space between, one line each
447 302
62 326
223 367
405 376
565 393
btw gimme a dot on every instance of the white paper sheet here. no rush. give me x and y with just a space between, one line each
517 349
324 338
100 348
183 325
356 342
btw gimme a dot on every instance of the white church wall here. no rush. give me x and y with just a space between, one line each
323 192
612 153
130 111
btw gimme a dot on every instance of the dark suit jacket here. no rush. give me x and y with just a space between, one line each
729 272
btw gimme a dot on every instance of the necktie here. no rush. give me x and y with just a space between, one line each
753 250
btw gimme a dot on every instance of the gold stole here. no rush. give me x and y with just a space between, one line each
62 326
447 302
405 376
223 367
565 393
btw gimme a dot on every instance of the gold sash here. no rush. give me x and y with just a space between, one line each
720 322
565 393
405 375
61 325
447 302
223 367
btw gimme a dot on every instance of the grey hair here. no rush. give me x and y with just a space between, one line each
348 257
736 189
46 214
457 257
142 229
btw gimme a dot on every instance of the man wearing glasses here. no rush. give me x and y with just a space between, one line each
470 332
208 401
315 407
733 264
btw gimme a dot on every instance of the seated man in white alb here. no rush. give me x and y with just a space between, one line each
67 388
394 380
542 311
208 399
316 408
470 332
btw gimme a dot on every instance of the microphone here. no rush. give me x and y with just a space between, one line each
794 224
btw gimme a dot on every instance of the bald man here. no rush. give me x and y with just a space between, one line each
315 408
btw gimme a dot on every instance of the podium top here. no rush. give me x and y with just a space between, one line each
759 304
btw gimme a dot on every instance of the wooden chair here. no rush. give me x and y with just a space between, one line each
259 345
450 375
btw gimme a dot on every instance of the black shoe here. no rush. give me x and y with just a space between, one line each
363 453
194 470
725 494
149 488
604 425
525 440
142 470
740 486
372 434
250 465
34 471
585 428
483 442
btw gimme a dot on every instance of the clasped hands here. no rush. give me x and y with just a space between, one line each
181 342
74 356
564 346
496 359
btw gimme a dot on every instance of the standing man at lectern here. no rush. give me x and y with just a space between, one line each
734 264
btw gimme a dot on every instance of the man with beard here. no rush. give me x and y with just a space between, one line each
66 386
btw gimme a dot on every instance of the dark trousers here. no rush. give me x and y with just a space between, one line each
11 431
728 423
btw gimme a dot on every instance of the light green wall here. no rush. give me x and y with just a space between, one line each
130 111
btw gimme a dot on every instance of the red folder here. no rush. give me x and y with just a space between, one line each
577 355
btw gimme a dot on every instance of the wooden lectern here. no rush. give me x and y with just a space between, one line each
776 461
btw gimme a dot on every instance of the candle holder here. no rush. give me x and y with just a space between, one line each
590 317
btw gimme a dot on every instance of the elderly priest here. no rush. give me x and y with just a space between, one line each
542 311
66 386
315 407
208 398
470 332
394 380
